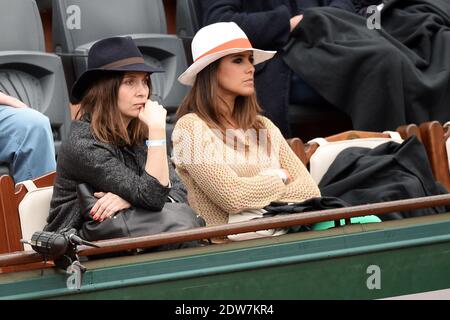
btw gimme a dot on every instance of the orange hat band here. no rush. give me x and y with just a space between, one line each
237 43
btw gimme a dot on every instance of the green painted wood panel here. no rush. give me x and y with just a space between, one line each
411 259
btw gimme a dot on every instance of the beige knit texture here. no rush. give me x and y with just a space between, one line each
219 188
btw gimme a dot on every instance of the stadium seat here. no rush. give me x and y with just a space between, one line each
322 152
318 154
44 4
436 138
189 17
143 20
27 72
23 210
4 169
188 22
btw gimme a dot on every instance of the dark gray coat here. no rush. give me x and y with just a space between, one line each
107 168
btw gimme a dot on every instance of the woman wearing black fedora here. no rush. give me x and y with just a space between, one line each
118 145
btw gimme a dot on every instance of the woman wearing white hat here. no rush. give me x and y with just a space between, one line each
233 161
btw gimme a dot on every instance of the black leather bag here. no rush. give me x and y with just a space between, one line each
134 222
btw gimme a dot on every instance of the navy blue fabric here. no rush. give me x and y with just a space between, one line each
302 93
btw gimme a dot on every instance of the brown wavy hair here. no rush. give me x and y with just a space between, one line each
99 105
202 100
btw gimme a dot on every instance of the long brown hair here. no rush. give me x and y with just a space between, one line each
202 100
99 104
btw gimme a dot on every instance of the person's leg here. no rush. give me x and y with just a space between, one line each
26 143
302 94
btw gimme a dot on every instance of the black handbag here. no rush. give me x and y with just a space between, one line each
135 222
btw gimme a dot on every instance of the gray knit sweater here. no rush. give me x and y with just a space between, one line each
107 168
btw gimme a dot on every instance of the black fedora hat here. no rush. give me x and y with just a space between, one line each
110 55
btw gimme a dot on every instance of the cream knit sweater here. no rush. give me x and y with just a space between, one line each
222 180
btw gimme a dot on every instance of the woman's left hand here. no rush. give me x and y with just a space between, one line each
107 205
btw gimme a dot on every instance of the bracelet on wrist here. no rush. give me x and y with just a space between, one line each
155 143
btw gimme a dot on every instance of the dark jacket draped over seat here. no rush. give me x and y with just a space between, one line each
390 172
382 78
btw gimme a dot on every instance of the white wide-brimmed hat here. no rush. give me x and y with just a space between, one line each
216 41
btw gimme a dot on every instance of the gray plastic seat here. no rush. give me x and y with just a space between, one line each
27 72
143 20
4 169
189 21
44 5
189 18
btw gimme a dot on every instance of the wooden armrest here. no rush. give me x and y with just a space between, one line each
298 147
10 197
434 138
310 148
409 130
354 134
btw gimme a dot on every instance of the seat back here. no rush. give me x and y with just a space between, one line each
34 209
327 150
143 20
447 142
305 151
409 130
26 71
23 210
437 143
78 22
188 17
21 26
4 169
44 5
189 20
298 147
